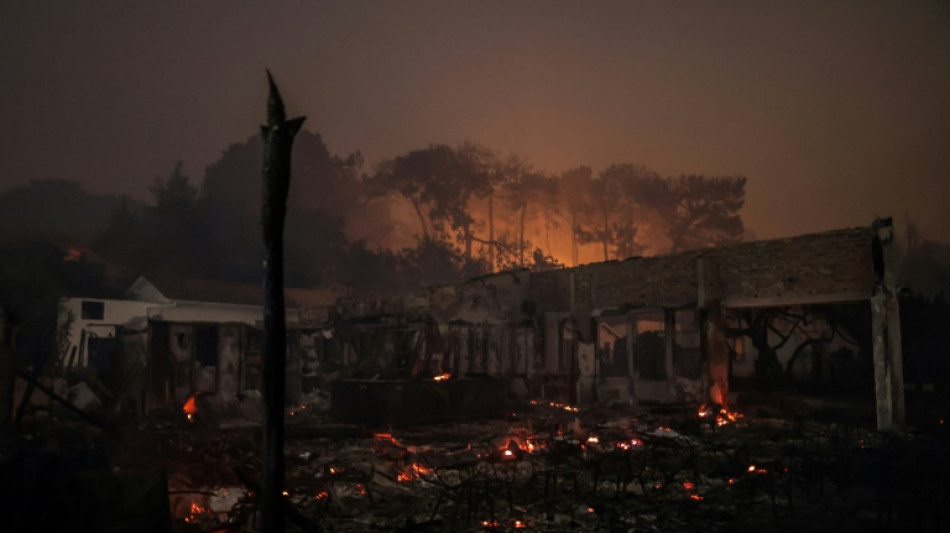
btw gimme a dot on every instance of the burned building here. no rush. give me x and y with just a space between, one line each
669 328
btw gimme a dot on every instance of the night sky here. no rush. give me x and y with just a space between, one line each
835 111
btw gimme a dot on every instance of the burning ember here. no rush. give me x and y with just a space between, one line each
723 416
190 408
198 512
442 377
557 405
632 443
414 471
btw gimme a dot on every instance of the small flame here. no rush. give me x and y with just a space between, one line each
590 509
688 485
696 497
190 407
196 512
722 417
593 439
442 377
414 471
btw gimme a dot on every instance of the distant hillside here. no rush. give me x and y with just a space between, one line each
55 209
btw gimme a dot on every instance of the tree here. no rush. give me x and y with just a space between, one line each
324 189
122 241
410 176
609 209
523 189
175 195
439 183
54 209
698 211
177 237
573 185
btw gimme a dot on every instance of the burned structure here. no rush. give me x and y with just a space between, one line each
572 396
672 328
168 341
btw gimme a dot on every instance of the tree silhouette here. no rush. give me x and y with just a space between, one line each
698 211
609 207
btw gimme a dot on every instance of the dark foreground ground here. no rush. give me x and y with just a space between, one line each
543 468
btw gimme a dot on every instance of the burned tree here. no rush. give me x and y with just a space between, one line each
278 140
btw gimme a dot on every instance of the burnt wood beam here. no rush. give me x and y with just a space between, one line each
278 136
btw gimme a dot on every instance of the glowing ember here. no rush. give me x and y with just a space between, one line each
722 417
592 440
518 524
558 405
414 471
590 509
688 485
696 497
490 523
387 436
321 496
190 408
442 377
197 512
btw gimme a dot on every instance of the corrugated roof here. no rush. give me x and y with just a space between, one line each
227 292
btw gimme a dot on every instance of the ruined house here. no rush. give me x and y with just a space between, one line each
169 340
681 327
669 328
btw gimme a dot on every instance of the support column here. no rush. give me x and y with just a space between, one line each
631 370
895 354
669 338
882 380
888 359
717 354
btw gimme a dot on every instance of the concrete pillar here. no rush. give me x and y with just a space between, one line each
895 354
631 370
882 382
669 337
717 354
888 359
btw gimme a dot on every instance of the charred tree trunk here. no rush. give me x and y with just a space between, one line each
422 219
574 250
278 139
524 211
491 232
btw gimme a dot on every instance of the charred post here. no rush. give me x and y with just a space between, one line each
278 136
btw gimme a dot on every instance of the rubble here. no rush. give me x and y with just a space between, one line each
547 466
